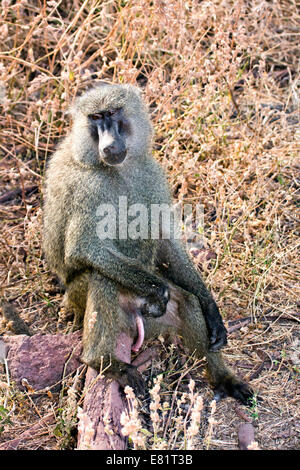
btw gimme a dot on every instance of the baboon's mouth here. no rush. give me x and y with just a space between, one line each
140 333
115 160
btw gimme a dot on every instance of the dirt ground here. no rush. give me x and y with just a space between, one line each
222 83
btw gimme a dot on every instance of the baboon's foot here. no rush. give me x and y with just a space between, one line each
125 374
129 375
232 387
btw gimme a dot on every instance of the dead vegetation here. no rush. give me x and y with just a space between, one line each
222 82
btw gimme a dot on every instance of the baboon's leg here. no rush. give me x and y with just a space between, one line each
75 298
104 324
195 336
176 266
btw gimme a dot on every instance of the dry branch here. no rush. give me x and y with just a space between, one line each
30 433
10 195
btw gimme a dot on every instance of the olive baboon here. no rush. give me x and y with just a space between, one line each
138 285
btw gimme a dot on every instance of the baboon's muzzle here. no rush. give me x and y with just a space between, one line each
114 154
112 147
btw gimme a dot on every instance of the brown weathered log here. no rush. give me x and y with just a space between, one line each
99 420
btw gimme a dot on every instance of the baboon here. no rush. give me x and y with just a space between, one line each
142 286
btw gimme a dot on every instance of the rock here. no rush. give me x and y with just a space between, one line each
42 360
245 435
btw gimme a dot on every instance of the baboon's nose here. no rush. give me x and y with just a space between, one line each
114 150
114 153
110 150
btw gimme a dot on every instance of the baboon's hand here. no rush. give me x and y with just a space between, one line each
216 330
156 303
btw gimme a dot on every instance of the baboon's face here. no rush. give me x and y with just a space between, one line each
111 130
111 124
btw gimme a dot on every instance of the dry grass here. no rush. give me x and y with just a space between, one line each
222 82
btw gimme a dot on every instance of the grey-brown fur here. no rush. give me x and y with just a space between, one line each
100 274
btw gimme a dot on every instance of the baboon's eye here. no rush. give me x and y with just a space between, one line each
96 116
112 112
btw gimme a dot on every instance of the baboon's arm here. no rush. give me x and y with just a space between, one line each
84 251
175 265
